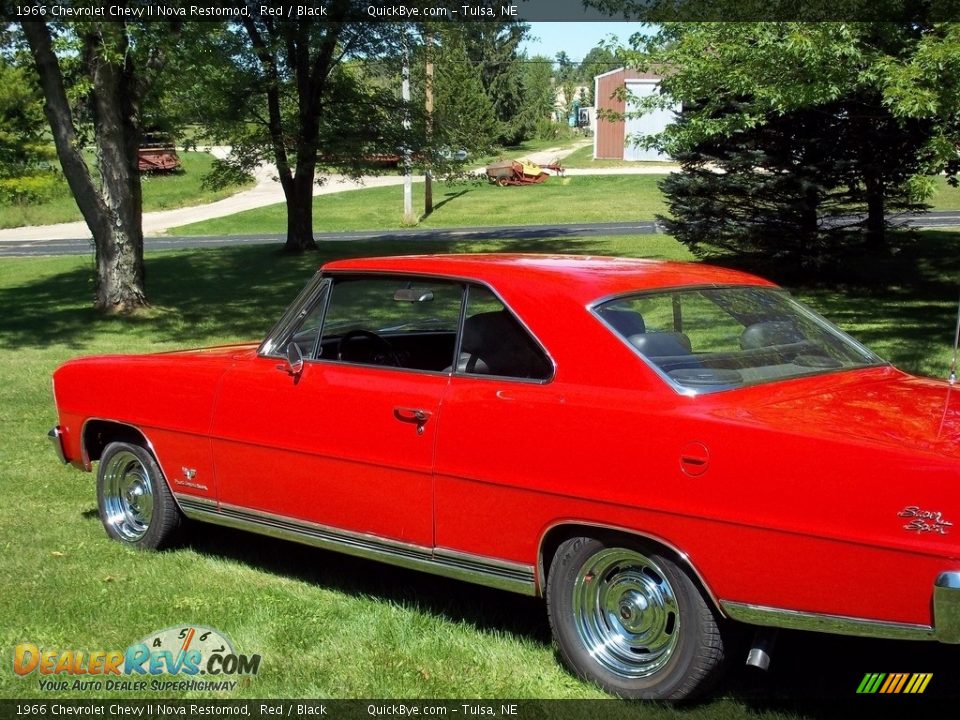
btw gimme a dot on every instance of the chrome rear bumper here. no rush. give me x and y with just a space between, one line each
54 436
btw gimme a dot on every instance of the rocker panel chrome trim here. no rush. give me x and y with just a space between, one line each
816 622
514 577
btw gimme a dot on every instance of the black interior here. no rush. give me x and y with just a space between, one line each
413 350
494 343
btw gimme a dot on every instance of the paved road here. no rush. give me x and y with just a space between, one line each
513 232
83 246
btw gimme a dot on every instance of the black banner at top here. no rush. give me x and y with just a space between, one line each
653 11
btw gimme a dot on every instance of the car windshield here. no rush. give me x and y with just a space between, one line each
719 338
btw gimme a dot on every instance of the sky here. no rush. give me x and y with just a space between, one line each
576 38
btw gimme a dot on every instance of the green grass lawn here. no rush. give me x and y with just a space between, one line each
946 197
160 192
583 199
327 625
474 203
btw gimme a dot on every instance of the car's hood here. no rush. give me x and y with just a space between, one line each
883 406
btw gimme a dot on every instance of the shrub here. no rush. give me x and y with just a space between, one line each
30 189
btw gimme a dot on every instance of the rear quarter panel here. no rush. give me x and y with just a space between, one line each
781 518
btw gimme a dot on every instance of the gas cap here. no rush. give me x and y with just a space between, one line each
694 459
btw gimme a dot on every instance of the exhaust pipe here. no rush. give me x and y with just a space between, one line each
763 642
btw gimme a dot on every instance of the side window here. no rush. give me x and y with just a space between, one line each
306 324
309 331
675 323
495 343
392 321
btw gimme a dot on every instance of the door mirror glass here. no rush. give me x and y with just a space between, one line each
294 358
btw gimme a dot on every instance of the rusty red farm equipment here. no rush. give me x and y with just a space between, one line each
157 158
519 172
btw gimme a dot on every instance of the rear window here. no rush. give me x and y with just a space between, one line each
710 339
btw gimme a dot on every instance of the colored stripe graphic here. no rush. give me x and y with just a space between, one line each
870 683
894 683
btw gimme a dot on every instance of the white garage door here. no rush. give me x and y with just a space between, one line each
648 124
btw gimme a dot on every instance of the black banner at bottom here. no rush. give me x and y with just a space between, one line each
612 709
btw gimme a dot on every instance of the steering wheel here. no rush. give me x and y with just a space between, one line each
386 355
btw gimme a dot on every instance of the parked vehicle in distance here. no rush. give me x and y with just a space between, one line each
665 451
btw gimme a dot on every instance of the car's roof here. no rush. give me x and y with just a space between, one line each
587 276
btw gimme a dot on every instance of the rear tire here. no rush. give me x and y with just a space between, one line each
133 499
631 620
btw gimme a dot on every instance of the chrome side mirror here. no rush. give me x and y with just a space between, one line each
294 359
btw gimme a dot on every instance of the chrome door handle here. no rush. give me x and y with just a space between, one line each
412 415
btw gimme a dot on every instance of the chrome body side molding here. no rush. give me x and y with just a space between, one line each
513 577
816 622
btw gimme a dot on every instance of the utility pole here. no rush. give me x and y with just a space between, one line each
407 161
428 89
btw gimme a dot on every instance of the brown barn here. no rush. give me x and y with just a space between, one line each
611 140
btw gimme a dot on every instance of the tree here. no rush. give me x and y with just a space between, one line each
290 93
739 81
567 77
22 145
536 117
25 153
494 50
926 86
463 115
599 60
781 189
114 62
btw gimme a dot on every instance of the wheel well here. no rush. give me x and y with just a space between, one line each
556 536
97 434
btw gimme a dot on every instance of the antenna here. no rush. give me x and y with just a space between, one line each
952 378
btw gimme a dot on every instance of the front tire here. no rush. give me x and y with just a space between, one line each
133 500
632 621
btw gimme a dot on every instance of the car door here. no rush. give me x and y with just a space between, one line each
346 442
499 411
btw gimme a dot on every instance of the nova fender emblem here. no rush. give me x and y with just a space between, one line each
924 521
189 474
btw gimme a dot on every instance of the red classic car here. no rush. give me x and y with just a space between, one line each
666 452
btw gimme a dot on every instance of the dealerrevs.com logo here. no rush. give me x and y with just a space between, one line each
200 658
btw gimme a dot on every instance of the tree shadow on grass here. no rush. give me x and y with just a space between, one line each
232 292
447 197
481 607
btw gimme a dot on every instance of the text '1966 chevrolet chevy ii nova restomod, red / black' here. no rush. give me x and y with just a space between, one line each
650 446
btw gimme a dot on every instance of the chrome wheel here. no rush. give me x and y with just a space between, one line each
625 612
127 496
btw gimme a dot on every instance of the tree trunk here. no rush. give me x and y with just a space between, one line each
299 195
809 220
113 212
876 219
120 271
